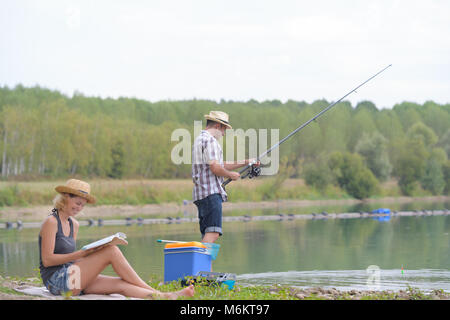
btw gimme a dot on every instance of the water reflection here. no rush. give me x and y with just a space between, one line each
392 279
325 252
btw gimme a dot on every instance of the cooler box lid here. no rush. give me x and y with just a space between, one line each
184 245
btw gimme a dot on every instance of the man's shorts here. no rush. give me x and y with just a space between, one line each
210 213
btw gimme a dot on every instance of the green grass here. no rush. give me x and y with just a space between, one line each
140 192
213 291
9 291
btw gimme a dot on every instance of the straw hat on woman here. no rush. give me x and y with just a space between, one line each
77 188
65 269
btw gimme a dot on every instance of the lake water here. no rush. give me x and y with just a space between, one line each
399 251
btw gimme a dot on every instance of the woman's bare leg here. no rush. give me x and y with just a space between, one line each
91 266
107 285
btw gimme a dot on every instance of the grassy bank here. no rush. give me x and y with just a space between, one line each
140 192
275 292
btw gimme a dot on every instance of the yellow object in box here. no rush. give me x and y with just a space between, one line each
184 244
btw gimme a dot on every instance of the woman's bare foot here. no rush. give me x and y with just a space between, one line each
186 292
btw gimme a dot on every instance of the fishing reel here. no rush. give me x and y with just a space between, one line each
253 171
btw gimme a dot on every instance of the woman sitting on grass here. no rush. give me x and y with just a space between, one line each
65 269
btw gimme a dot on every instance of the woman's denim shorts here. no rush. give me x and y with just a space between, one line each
210 213
59 281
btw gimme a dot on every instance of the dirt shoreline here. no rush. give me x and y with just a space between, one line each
38 213
7 292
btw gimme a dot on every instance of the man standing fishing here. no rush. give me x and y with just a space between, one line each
208 173
208 169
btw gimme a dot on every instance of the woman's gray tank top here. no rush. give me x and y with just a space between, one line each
63 245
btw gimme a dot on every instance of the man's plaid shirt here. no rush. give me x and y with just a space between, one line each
206 149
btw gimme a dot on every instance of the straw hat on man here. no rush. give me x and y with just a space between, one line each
219 117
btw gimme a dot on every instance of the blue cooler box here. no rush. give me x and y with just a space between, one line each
184 259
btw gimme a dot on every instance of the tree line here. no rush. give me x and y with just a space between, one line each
46 134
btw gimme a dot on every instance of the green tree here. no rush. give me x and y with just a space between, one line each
433 178
439 155
389 125
48 134
352 175
446 175
373 148
409 164
367 105
407 113
444 142
308 143
421 131
335 129
436 117
361 123
118 163
318 174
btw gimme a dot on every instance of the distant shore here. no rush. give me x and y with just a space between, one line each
38 213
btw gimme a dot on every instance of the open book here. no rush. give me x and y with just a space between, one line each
118 238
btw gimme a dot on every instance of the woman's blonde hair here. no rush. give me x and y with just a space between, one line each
59 201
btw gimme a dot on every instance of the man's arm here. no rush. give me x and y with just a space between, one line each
234 165
220 171
238 164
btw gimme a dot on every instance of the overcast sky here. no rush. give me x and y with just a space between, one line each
230 49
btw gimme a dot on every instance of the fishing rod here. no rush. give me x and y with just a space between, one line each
256 170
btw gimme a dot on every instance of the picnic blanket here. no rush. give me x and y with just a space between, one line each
43 292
